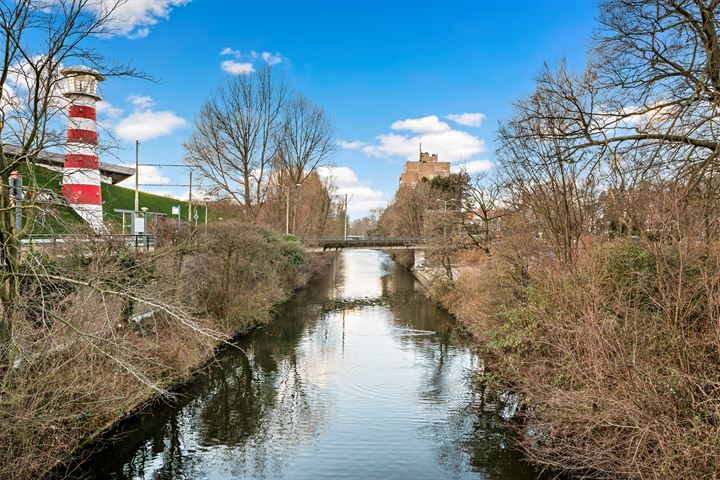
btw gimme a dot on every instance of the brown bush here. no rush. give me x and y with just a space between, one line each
617 359
477 296
239 272
86 354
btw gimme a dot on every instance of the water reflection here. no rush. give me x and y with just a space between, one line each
360 377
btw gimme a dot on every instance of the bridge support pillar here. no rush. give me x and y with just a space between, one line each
419 259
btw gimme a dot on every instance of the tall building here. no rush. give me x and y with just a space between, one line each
427 167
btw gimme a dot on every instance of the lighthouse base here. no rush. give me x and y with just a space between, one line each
93 216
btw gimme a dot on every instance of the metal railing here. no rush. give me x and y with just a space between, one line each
142 243
368 242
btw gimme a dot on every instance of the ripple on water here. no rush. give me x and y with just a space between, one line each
359 386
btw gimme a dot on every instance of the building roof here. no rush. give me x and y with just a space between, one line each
80 70
116 173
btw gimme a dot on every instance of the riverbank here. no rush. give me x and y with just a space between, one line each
128 329
609 357
360 376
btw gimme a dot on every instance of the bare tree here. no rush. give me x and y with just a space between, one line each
655 77
367 225
235 138
646 109
482 199
37 39
405 215
444 233
305 141
543 172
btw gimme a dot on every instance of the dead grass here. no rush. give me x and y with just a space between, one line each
84 361
617 358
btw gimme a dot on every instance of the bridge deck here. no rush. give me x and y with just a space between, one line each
322 244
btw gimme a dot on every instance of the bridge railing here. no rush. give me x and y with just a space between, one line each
361 242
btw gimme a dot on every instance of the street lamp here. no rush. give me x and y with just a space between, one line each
207 199
445 202
344 198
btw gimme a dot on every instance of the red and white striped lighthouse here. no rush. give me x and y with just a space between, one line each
81 175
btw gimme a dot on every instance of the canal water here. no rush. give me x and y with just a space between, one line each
360 377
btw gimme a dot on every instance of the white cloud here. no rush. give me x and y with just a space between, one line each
153 179
245 63
22 81
361 197
140 32
231 51
108 110
474 166
148 124
145 123
467 119
429 124
108 114
133 18
10 101
272 58
652 118
435 136
353 145
237 68
141 102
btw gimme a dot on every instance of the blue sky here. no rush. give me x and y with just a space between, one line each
388 73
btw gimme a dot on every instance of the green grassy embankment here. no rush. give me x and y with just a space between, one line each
117 197
114 197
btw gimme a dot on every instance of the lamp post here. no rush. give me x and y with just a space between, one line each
287 211
445 202
144 230
190 200
207 199
16 197
345 201
345 223
137 175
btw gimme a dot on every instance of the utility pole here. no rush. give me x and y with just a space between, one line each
345 223
137 176
444 219
295 202
287 211
190 200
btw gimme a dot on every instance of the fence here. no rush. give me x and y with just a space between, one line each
141 243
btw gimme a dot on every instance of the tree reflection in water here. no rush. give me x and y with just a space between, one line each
359 377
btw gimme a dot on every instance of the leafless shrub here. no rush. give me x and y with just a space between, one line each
238 271
39 38
101 329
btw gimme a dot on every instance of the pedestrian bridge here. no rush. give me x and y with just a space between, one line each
384 243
